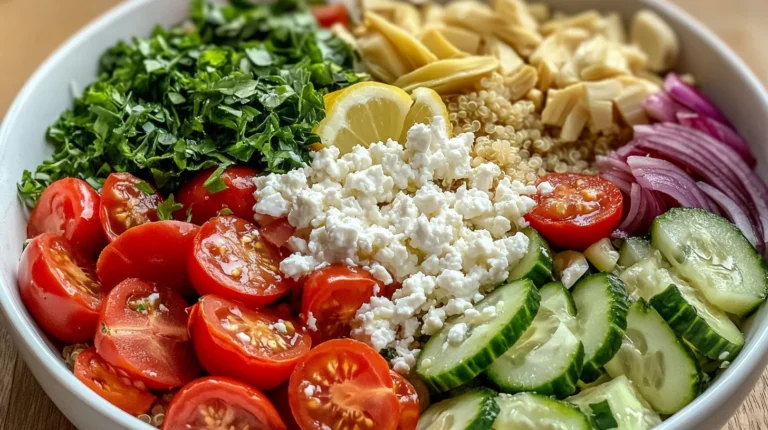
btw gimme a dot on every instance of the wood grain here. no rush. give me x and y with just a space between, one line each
31 29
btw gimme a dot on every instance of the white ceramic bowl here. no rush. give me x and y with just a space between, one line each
48 92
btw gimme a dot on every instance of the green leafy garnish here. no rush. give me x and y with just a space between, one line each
602 416
225 211
237 84
145 188
214 183
140 308
166 209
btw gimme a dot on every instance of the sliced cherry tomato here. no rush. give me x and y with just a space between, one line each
155 252
143 331
230 258
409 402
330 14
279 397
238 197
581 210
218 403
124 205
256 347
343 384
277 233
59 287
69 207
112 384
331 297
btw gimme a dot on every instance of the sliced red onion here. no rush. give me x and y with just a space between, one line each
616 178
688 96
734 213
719 131
661 107
662 176
637 210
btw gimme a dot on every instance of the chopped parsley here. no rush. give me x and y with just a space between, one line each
166 208
239 83
145 188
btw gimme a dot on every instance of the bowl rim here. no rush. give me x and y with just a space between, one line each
26 332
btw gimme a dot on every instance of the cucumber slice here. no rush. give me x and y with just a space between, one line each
633 250
713 255
601 305
603 378
548 357
602 255
570 266
534 411
445 364
647 277
474 410
705 327
537 263
629 409
651 356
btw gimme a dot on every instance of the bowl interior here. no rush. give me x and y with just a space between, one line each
49 92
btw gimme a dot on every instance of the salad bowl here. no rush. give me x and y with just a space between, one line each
722 75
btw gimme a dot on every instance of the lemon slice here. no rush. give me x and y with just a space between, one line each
362 114
427 104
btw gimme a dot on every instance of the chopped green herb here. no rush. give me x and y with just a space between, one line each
225 211
241 83
189 213
214 183
140 308
166 209
145 188
602 417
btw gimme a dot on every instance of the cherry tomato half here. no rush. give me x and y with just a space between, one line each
278 232
69 207
327 15
279 397
331 297
256 347
60 289
124 205
112 384
221 403
581 210
238 197
143 331
230 258
409 401
343 383
155 252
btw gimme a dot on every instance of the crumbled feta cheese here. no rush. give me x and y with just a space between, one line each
153 298
311 322
243 337
162 308
236 311
545 188
280 326
457 334
417 214
309 390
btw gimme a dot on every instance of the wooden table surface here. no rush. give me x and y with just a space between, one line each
31 29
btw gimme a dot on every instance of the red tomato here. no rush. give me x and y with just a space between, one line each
580 211
155 252
238 196
256 347
113 385
143 331
230 258
217 402
409 401
277 233
279 397
59 287
330 14
69 207
343 383
332 296
124 205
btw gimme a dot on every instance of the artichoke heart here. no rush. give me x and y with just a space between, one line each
464 40
449 76
521 82
413 52
439 45
380 57
508 58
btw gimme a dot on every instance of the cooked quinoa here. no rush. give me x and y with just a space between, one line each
511 134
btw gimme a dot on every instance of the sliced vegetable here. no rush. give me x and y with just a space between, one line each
409 402
474 410
126 201
537 262
659 364
633 250
528 410
601 312
629 409
466 347
714 256
687 95
719 132
548 357
570 266
235 188
602 255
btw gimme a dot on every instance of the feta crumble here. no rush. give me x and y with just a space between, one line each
311 322
418 214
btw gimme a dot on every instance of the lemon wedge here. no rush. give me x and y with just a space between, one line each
427 104
362 114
